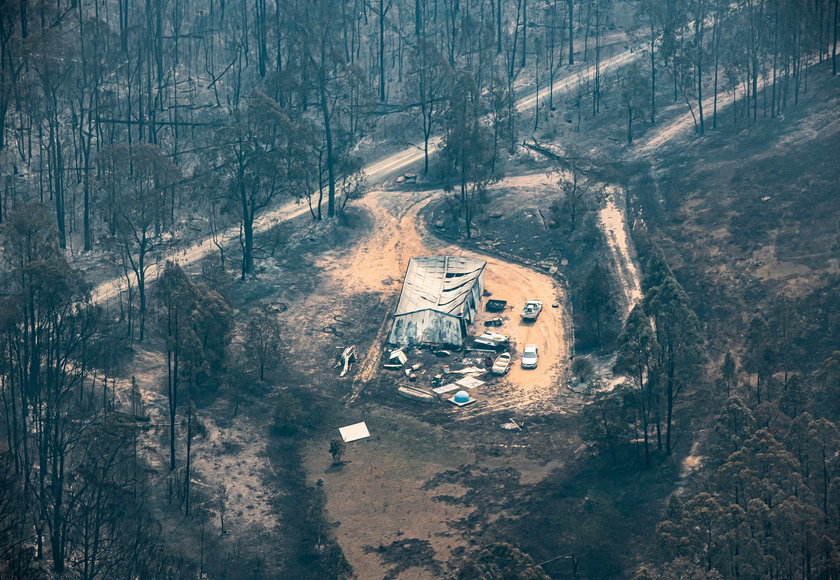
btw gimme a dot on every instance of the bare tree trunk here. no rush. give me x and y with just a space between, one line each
382 51
652 72
173 392
189 458
524 33
834 41
499 26
698 32
571 6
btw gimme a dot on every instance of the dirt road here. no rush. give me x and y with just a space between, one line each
613 224
375 172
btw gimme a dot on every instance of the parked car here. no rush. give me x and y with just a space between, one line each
529 356
496 305
532 310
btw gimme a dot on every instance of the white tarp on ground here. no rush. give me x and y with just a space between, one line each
439 298
354 432
469 382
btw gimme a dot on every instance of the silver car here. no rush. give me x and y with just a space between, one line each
529 356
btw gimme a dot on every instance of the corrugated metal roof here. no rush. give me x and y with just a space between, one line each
440 283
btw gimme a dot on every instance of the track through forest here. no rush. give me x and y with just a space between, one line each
375 173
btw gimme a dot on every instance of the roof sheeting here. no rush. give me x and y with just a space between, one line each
439 298
440 283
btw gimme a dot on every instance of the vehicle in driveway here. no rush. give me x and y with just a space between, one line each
529 356
532 310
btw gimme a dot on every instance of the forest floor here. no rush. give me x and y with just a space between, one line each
750 210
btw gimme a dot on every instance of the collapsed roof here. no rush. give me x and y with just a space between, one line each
439 298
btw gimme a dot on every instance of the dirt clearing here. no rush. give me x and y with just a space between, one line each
377 264
391 522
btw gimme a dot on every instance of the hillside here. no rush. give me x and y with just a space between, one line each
207 214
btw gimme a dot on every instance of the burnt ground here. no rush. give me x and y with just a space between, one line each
269 476
426 489
520 220
750 211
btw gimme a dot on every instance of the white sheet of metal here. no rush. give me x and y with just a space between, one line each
354 432
469 382
446 389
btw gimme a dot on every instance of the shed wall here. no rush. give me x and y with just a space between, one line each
427 327
439 300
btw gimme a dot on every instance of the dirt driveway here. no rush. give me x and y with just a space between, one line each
385 509
378 263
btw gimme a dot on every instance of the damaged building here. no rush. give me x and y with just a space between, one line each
439 299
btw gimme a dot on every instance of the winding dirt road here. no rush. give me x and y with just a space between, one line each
376 173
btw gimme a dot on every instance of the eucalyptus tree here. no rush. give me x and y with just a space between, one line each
638 358
260 155
467 152
137 179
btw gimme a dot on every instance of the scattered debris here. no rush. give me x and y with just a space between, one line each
442 353
416 394
354 432
396 359
495 321
511 425
491 339
346 359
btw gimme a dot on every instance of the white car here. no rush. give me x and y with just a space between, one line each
532 310
529 356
